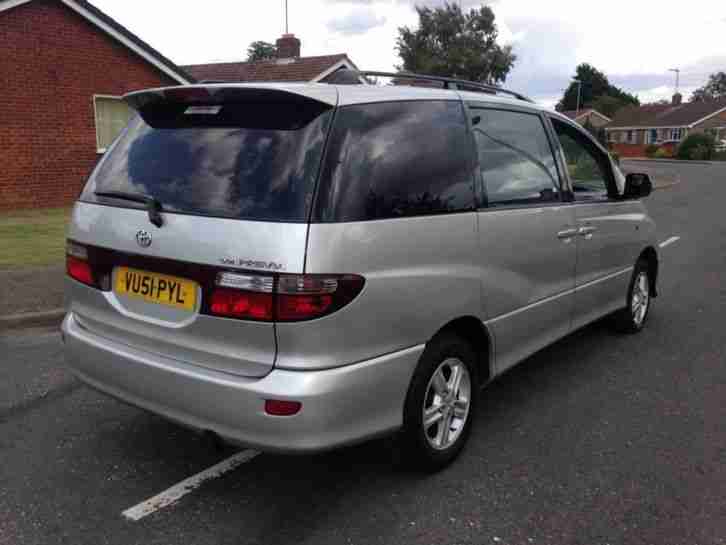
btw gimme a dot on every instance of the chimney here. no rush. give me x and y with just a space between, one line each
677 99
288 47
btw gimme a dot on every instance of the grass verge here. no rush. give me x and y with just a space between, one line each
32 238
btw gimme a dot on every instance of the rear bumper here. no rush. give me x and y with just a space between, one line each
339 406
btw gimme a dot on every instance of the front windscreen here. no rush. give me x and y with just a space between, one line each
245 161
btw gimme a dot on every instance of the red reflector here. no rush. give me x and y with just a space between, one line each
241 304
280 407
302 307
79 270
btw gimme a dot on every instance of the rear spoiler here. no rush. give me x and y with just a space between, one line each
275 107
209 94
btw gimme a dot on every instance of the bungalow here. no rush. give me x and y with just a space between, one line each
287 66
65 65
665 125
588 116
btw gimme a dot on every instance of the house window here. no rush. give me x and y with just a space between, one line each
112 114
676 134
653 135
631 137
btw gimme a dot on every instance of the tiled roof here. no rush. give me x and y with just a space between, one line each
666 115
573 114
298 69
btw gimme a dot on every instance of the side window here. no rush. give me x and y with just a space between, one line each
515 157
587 166
396 159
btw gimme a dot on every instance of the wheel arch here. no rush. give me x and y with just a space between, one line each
650 256
473 330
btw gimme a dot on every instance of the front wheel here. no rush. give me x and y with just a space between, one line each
631 319
440 404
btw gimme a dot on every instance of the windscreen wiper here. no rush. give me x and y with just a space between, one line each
153 206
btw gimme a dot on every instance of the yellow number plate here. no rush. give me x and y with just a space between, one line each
156 288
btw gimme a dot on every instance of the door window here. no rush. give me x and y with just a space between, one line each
587 166
397 159
516 160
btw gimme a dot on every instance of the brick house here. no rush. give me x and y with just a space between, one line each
588 115
64 66
288 66
665 125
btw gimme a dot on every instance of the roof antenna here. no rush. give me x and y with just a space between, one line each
676 70
286 29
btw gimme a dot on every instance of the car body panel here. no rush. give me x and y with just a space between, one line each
338 407
527 276
420 273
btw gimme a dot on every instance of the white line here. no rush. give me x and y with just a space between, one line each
669 241
173 494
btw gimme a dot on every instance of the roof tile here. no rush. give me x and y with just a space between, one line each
666 115
298 69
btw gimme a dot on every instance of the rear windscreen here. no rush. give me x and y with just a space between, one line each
244 161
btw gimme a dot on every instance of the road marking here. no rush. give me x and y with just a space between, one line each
669 241
181 489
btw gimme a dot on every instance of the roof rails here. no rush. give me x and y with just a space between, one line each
448 83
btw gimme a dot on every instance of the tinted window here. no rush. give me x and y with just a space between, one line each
226 164
397 159
586 165
516 160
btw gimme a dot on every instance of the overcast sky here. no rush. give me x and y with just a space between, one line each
634 42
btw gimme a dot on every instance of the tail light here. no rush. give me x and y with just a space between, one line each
283 297
77 265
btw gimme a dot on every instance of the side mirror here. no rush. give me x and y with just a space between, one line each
637 186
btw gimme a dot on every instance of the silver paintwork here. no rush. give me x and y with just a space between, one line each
529 275
446 403
338 405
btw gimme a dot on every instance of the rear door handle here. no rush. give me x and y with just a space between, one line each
567 233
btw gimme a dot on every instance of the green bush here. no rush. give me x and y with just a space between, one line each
616 157
662 153
650 150
697 146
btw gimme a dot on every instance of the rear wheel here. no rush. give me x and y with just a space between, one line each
631 319
440 405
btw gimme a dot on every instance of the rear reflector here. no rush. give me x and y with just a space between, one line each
79 270
281 407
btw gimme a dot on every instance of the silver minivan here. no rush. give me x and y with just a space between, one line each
296 267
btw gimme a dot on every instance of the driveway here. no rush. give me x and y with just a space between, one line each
598 439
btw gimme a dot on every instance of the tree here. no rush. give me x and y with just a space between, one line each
261 51
451 43
595 85
697 146
714 89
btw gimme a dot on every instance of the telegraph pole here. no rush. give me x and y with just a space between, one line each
579 93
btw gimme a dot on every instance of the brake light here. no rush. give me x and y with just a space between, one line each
79 270
241 304
282 297
77 265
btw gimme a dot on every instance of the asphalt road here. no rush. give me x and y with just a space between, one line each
598 439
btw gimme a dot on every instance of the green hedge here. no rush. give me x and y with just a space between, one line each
697 147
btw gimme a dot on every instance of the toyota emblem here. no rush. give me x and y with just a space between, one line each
143 238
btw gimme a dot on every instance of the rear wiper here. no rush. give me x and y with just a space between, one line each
153 206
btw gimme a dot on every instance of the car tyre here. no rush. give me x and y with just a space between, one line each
440 405
632 318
